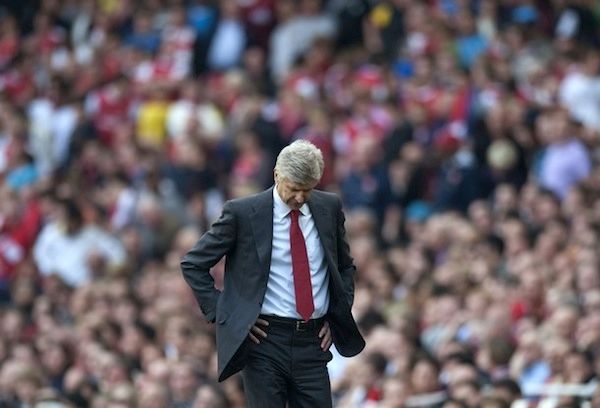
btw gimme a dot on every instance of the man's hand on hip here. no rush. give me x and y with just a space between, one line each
325 336
256 332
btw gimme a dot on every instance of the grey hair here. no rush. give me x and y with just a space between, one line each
300 162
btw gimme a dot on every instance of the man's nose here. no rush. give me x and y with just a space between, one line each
300 198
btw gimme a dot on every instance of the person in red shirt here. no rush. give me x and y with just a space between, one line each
20 222
9 40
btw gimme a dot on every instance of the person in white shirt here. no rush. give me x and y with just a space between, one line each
70 249
580 91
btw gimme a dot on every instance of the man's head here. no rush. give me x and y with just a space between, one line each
298 169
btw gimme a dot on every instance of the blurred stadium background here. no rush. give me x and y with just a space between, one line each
462 135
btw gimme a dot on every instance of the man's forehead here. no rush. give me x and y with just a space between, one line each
298 186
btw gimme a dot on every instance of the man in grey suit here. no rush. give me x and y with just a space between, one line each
288 286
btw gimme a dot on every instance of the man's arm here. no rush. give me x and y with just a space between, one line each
345 262
209 249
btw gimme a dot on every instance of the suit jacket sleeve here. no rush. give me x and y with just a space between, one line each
345 262
209 249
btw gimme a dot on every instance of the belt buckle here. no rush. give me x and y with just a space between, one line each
301 326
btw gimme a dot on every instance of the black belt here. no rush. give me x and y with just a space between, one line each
294 324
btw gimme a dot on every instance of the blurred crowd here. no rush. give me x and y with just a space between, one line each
462 135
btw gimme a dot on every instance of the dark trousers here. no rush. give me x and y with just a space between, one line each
288 367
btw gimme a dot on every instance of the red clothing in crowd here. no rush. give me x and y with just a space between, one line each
17 236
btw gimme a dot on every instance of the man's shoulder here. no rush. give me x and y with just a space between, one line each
251 200
326 197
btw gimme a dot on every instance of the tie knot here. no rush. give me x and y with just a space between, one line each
294 214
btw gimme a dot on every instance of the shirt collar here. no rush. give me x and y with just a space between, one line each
281 209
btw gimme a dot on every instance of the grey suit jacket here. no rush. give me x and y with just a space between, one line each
244 235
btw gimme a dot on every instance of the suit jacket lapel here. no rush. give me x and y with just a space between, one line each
261 218
323 221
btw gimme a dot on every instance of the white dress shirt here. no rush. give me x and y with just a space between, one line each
280 298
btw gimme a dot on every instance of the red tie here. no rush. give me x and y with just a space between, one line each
301 270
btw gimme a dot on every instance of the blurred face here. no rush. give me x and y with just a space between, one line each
153 395
529 347
143 23
559 125
54 360
424 378
293 194
596 398
26 390
555 353
466 393
182 381
395 392
479 212
310 7
465 23
577 368
178 16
